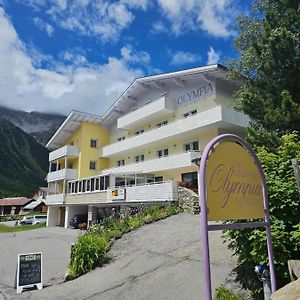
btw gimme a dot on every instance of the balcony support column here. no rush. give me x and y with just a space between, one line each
67 213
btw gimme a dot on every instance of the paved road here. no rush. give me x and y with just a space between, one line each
53 242
159 261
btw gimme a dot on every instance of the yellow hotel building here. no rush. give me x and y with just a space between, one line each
140 149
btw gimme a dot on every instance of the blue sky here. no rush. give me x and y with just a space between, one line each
60 55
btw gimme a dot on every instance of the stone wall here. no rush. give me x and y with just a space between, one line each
188 200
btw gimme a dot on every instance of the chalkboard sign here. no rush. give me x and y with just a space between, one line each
29 272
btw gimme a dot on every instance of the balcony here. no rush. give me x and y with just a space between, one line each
156 109
220 117
158 164
64 151
63 174
54 199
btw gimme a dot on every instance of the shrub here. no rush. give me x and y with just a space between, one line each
88 253
222 293
135 222
112 234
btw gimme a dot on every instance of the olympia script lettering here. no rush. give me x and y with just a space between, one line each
222 180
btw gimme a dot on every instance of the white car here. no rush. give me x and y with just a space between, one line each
36 219
26 220
39 219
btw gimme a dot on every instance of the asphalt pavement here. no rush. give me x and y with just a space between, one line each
53 242
162 260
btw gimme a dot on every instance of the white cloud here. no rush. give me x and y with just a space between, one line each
100 18
181 58
90 88
75 58
213 56
159 27
130 55
44 26
215 17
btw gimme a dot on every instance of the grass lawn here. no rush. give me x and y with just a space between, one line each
4 228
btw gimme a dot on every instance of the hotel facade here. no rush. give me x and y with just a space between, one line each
142 147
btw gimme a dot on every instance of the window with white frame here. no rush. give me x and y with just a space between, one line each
140 131
93 143
139 158
120 162
163 123
191 146
93 165
190 113
162 152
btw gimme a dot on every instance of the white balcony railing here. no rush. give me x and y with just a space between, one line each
151 192
158 164
64 151
63 174
54 199
219 116
155 109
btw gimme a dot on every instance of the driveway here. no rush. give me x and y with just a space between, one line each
53 242
162 260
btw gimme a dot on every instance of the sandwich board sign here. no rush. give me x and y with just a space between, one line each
232 187
29 271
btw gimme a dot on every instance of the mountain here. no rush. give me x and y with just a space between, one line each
39 125
23 161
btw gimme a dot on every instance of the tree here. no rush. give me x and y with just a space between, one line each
269 65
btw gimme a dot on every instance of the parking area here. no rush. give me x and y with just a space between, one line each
53 242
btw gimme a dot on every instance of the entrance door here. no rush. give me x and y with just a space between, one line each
62 216
190 181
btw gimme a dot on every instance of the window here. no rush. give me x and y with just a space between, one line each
93 165
190 113
190 180
93 143
92 184
139 158
122 138
140 131
191 146
97 185
120 162
158 179
162 152
163 123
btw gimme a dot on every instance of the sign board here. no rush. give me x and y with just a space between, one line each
232 187
233 184
29 271
118 194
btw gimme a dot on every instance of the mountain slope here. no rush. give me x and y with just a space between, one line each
23 162
39 125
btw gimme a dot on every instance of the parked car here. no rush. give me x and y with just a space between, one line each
77 219
35 219
27 220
